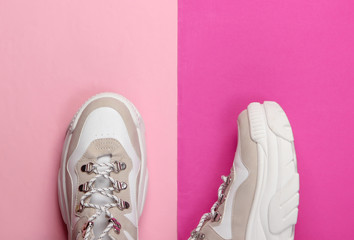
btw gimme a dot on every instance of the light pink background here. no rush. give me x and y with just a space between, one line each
299 53
53 56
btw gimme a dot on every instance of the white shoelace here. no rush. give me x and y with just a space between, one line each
90 190
213 215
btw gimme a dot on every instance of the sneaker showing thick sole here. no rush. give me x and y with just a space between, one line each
142 184
260 198
274 209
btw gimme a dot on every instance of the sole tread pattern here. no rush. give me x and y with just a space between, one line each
266 120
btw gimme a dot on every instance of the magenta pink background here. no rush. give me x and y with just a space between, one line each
54 55
299 53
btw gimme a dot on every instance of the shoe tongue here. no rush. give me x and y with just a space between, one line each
101 221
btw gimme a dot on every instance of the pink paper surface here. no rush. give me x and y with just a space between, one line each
54 55
299 53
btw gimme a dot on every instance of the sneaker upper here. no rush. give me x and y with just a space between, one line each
104 159
229 215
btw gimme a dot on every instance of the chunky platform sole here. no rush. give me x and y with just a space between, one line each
274 210
63 202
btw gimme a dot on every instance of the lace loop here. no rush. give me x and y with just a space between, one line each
89 189
116 225
119 166
87 168
118 186
85 187
214 214
88 225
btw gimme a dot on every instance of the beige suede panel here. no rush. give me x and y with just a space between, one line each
207 228
96 149
78 229
243 200
75 133
245 193
222 206
210 234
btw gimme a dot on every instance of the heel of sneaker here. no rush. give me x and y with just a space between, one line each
283 207
257 124
277 120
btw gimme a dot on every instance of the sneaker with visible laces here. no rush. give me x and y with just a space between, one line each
103 175
260 198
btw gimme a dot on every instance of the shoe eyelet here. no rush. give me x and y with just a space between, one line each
119 166
116 225
118 186
123 205
84 229
79 208
84 187
87 168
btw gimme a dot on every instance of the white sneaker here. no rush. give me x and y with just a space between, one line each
103 176
260 198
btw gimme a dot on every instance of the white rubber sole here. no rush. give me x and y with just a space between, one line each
275 207
144 177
